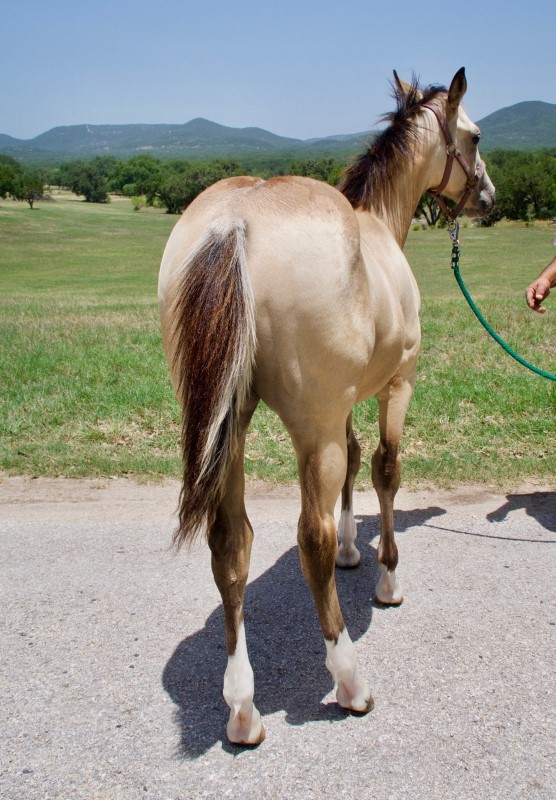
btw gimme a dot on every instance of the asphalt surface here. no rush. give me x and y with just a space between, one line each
112 652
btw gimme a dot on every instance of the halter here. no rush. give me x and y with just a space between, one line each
452 153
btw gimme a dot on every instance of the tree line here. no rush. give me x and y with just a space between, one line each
525 181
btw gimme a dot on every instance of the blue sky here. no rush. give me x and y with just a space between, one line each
296 68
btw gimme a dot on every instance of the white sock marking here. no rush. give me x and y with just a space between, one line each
353 691
244 725
348 554
388 590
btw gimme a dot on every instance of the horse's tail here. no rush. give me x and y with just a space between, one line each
212 350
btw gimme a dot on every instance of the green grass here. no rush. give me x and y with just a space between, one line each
85 389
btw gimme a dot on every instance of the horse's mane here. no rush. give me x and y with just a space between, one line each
370 178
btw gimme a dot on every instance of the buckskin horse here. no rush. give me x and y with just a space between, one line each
296 293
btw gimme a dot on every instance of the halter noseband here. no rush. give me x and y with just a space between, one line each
452 153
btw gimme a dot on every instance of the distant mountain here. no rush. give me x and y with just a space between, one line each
8 141
113 139
197 139
526 126
530 125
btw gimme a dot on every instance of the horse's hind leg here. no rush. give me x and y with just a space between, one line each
386 473
230 538
322 470
348 554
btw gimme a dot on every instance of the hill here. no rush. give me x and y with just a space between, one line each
195 140
529 125
526 126
194 135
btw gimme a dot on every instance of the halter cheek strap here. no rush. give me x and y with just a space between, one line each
452 153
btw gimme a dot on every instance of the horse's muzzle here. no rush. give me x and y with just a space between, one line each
483 201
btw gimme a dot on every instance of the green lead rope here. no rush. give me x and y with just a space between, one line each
454 229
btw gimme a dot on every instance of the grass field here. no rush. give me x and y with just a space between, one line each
85 388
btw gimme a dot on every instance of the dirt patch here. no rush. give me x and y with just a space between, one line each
121 499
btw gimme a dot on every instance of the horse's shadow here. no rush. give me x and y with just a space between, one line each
285 645
539 505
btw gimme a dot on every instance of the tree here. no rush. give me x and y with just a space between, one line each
28 185
322 169
429 209
87 179
175 193
525 183
10 169
184 181
140 175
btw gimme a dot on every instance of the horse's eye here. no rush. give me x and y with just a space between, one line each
476 139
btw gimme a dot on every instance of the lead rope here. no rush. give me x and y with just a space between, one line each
453 228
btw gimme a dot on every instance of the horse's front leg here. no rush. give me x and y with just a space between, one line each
386 474
348 554
322 469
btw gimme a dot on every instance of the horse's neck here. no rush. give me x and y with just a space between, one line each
398 206
398 216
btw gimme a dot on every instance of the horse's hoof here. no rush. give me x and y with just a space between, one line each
388 591
348 557
246 730
394 602
360 702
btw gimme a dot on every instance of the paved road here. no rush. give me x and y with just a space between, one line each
112 652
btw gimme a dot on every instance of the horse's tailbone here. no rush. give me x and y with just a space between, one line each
213 347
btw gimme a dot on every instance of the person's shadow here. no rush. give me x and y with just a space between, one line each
285 644
539 505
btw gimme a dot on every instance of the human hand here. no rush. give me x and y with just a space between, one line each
536 293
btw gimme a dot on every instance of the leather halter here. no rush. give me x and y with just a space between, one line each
452 153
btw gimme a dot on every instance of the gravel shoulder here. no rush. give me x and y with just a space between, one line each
112 651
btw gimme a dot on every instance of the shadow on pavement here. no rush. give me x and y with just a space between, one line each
403 520
539 505
285 645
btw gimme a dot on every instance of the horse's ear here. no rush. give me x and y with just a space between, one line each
457 89
402 88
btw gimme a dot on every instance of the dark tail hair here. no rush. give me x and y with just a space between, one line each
212 350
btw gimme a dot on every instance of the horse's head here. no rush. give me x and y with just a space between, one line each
456 169
454 166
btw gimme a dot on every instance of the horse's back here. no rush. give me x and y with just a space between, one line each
278 210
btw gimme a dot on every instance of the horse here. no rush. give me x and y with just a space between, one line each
296 293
